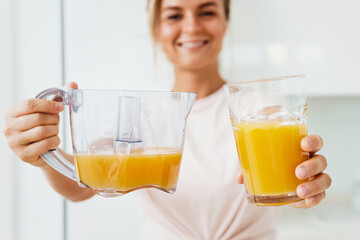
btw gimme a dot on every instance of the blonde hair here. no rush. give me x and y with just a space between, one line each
153 7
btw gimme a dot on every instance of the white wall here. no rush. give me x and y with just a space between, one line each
318 38
337 120
7 170
38 210
108 45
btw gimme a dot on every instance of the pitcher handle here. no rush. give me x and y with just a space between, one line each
53 157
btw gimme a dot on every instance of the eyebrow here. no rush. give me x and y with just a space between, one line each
207 4
172 8
201 6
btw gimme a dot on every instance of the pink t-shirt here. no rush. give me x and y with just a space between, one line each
208 202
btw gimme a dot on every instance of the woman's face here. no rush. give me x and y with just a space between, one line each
191 31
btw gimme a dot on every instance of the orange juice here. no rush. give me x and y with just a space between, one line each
126 172
269 152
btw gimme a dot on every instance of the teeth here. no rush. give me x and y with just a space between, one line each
192 44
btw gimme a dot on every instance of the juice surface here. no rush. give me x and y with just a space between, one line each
269 152
123 172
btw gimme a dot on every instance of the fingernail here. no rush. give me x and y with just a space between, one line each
310 144
305 144
59 106
303 191
302 172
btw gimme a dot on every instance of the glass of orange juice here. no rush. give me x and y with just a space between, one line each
269 120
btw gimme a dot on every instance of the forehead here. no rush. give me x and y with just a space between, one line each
188 3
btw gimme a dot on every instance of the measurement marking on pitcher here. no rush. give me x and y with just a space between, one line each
107 147
107 134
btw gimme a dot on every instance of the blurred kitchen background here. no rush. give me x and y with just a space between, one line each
106 44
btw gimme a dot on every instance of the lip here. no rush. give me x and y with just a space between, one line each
193 44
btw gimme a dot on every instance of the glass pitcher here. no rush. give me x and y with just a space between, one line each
122 140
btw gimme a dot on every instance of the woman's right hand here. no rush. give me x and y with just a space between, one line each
32 127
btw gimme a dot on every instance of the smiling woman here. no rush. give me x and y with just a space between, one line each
208 203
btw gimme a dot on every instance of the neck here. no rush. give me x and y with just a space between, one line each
201 81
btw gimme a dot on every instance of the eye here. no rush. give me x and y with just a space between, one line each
207 13
174 17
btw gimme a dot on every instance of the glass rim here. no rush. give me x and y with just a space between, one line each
128 91
301 76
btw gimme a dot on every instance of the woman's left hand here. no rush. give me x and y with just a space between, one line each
313 191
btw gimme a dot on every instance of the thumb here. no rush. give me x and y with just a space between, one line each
240 178
72 85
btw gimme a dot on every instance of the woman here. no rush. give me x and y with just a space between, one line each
210 202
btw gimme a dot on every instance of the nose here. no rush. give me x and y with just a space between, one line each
191 24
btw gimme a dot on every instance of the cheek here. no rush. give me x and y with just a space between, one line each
217 30
221 34
167 34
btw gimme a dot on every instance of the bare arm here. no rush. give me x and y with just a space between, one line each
63 185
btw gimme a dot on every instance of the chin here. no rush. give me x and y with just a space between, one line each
194 64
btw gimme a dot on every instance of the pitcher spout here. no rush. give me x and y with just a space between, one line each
190 103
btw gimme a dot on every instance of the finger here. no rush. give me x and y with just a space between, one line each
72 85
240 178
311 167
317 185
26 122
267 111
314 200
35 105
309 202
34 150
37 134
311 143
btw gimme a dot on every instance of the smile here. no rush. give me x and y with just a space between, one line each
193 45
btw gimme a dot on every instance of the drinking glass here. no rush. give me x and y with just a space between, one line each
269 120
